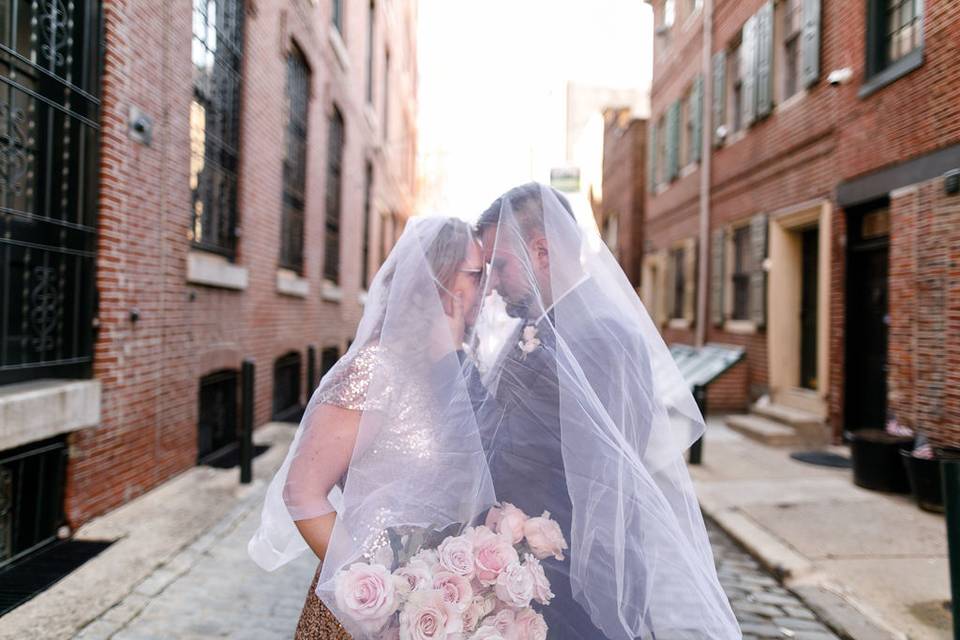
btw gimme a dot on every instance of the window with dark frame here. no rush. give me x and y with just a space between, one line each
295 162
367 205
328 358
331 243
741 273
736 88
895 29
679 283
792 30
287 379
217 48
336 15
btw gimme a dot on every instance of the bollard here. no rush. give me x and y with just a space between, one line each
246 422
311 369
696 449
951 500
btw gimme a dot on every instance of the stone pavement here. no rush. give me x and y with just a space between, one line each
212 589
872 565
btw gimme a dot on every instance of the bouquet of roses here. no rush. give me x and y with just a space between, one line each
478 585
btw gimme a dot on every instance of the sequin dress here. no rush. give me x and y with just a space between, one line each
368 384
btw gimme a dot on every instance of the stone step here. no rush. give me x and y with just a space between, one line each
811 428
769 432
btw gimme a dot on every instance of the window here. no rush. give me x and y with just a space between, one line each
215 123
367 204
895 30
736 88
690 138
295 162
662 136
791 29
328 358
336 15
331 254
371 22
217 427
286 388
678 269
742 267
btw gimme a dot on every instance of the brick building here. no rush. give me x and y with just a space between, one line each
215 181
620 211
799 205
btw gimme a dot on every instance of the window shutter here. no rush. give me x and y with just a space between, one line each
758 275
716 277
748 64
661 287
719 93
810 45
765 60
652 159
669 290
690 280
673 141
696 113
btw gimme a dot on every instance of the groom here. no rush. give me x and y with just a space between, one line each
564 338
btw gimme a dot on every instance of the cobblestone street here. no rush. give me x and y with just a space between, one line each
213 590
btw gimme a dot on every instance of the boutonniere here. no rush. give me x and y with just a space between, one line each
529 340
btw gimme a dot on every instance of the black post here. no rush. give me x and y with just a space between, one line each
246 422
696 449
311 369
950 469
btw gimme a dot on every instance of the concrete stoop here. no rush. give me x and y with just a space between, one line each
778 425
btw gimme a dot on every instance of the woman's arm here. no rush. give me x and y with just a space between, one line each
321 460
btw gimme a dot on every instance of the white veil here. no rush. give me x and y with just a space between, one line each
583 413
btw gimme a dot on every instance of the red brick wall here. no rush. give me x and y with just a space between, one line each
150 369
624 171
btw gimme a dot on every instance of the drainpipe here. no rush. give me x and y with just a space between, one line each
706 146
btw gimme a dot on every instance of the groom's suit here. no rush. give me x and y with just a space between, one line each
521 426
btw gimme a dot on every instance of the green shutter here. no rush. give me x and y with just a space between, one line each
758 275
765 60
748 71
652 159
673 141
696 113
719 93
810 45
716 277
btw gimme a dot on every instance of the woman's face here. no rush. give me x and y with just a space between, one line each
469 282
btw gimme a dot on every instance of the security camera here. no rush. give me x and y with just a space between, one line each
840 76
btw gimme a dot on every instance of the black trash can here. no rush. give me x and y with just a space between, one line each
876 460
925 481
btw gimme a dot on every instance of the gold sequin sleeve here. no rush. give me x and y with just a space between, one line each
361 385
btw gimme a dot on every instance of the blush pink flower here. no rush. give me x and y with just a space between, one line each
507 520
417 574
456 590
544 537
541 585
529 625
492 554
367 593
455 554
515 585
427 616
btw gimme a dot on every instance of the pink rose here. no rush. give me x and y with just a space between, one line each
456 589
367 593
417 574
487 633
455 554
507 520
479 607
515 585
502 623
492 554
541 585
544 537
427 616
529 625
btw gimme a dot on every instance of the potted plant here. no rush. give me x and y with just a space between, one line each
876 458
923 472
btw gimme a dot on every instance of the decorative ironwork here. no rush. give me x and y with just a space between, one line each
331 257
295 163
215 122
49 114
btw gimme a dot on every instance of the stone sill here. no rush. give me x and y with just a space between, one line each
213 270
330 292
40 409
289 283
740 327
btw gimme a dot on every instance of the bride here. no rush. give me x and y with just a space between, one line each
506 396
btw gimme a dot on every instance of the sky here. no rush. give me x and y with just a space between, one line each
492 87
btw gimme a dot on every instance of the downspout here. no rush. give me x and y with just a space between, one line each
706 146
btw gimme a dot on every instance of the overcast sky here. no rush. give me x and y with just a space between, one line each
493 78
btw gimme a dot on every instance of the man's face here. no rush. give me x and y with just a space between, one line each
510 272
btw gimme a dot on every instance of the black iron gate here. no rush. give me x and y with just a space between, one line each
49 111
